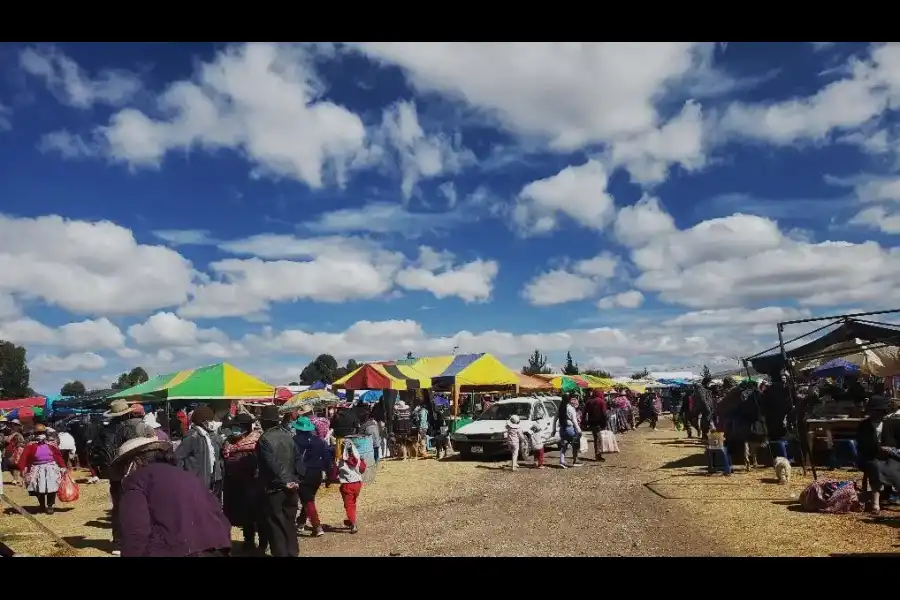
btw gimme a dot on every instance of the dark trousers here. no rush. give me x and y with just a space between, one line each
46 500
115 492
279 516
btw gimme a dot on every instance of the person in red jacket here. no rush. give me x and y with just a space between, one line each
43 466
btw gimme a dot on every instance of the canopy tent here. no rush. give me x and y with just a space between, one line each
22 403
383 376
220 381
660 375
472 370
600 383
836 368
849 337
371 396
527 382
559 381
94 399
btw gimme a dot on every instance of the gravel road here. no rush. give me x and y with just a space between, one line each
599 509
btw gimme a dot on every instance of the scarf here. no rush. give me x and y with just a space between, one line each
212 451
245 444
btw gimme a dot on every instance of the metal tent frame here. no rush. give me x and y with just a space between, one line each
848 327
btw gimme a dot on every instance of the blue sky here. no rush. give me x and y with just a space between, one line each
645 204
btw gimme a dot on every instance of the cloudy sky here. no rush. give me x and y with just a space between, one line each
640 204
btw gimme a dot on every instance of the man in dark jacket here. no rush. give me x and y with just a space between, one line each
278 481
703 406
126 422
200 452
345 422
596 419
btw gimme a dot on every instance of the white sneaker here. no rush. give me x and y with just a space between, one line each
116 553
563 466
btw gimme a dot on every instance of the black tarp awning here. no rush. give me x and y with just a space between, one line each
849 330
95 399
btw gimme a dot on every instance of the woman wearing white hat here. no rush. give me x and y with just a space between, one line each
164 510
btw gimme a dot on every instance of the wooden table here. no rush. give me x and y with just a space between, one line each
828 426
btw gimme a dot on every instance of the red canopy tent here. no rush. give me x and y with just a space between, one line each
22 403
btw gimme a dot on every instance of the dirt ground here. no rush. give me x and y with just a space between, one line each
652 499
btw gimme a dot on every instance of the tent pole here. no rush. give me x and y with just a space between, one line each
805 450
454 398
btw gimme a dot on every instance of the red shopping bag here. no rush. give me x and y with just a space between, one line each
68 490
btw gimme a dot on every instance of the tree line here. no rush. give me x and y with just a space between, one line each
537 365
126 380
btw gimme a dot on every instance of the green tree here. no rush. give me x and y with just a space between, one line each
640 374
130 379
706 372
14 374
571 367
73 388
410 356
351 366
537 364
321 369
598 373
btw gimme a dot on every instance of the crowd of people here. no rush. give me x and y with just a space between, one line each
181 496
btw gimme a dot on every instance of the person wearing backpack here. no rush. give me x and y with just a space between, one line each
312 457
350 470
126 422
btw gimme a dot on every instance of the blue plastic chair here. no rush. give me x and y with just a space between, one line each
844 453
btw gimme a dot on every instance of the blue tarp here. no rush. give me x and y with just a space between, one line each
836 368
319 385
371 397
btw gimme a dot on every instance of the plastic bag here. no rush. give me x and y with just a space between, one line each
362 466
68 490
583 445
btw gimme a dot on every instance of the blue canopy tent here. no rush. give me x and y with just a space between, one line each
836 368
371 397
319 385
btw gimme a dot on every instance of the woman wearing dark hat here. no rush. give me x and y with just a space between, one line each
240 496
200 453
164 510
877 446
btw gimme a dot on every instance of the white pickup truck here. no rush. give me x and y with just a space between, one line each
486 435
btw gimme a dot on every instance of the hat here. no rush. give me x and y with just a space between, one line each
40 428
202 414
878 404
16 422
117 409
303 424
137 410
270 413
401 405
305 409
242 419
151 421
514 419
138 445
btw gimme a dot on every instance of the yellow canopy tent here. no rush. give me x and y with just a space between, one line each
383 376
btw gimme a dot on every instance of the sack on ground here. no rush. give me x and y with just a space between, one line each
608 442
583 445
828 496
68 490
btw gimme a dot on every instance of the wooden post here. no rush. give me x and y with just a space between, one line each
454 399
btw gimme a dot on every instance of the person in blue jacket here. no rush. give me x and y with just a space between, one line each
313 457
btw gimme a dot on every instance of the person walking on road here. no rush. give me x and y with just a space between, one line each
596 419
278 480
566 423
313 458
